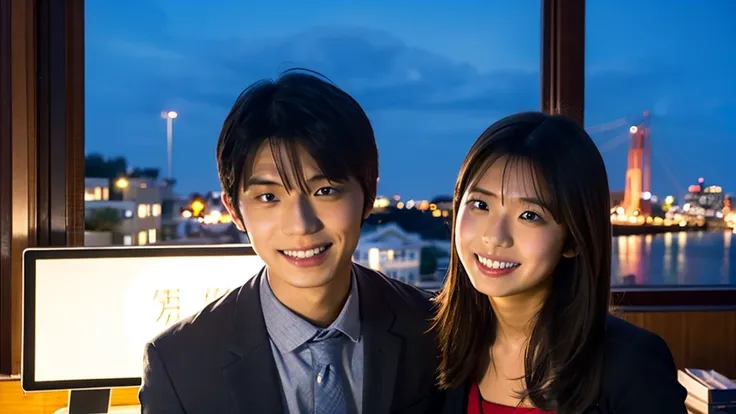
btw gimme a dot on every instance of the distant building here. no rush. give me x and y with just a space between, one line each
617 198
392 251
704 200
381 203
96 189
443 203
138 202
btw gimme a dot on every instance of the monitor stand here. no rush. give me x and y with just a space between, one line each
95 401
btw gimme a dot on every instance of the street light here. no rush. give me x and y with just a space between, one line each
121 183
169 116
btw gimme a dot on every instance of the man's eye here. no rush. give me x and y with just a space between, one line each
327 191
267 198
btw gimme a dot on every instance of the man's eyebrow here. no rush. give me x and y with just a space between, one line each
262 181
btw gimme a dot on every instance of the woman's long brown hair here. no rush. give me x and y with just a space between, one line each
564 358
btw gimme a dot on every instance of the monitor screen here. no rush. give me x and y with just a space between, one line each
88 312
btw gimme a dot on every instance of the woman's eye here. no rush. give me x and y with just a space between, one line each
531 216
478 204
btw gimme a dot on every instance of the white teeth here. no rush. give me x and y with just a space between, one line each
494 264
304 254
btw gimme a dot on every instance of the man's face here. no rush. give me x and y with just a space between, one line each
306 239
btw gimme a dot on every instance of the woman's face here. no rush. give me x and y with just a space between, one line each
508 242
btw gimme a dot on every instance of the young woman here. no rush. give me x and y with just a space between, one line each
523 317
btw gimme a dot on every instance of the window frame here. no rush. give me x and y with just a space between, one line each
5 186
42 197
41 117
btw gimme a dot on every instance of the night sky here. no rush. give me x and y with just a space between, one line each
431 75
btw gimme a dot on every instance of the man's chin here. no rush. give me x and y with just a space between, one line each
310 276
307 282
303 278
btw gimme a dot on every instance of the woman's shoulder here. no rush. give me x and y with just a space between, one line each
624 340
620 331
639 370
630 349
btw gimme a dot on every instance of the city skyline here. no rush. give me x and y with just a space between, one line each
429 88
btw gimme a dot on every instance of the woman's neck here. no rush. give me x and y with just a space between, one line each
515 315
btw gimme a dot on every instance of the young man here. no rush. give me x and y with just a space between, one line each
312 332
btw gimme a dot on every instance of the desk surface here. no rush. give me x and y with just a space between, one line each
14 400
124 409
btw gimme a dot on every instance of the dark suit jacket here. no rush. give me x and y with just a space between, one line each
639 376
220 360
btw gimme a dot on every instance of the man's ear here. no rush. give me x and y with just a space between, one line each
233 211
367 212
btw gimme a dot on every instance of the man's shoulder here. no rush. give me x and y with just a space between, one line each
201 329
397 293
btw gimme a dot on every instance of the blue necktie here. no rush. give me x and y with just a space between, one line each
329 395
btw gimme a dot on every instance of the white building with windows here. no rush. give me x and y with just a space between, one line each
138 202
392 251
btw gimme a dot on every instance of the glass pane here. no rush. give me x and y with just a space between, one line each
430 78
660 98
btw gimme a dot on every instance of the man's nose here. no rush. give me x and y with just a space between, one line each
300 217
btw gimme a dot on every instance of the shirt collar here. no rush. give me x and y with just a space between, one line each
289 331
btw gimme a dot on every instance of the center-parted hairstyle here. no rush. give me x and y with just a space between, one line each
301 109
564 358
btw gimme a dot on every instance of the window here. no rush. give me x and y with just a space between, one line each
96 193
665 87
481 29
142 238
142 211
428 92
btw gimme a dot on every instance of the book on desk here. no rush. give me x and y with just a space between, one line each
708 391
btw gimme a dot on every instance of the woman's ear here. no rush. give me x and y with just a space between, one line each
571 249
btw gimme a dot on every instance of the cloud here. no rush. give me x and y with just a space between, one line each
421 103
417 100
381 71
691 113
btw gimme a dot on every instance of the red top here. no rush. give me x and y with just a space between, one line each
475 399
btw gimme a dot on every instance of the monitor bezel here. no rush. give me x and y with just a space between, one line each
28 334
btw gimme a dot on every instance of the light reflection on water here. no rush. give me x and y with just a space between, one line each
685 258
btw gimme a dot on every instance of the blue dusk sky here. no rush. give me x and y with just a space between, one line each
432 75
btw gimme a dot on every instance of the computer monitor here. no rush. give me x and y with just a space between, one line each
88 312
